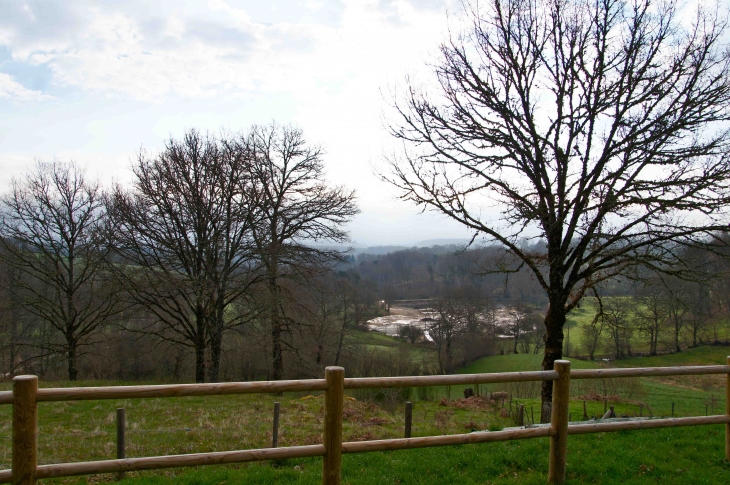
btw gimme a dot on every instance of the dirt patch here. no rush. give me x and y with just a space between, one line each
472 403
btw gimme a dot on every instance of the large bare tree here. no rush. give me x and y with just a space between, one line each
598 126
52 233
296 208
184 232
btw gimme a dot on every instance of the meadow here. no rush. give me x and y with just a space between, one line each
76 431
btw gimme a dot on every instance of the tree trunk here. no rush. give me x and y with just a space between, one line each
72 357
216 340
448 367
342 333
676 337
200 347
554 322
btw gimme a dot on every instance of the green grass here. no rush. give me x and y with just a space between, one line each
704 355
76 431
375 341
669 456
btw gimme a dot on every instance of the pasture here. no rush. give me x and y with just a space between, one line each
75 431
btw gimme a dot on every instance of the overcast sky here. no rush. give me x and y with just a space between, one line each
94 81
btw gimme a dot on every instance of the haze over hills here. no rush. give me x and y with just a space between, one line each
427 243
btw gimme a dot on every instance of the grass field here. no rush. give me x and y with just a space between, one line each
76 431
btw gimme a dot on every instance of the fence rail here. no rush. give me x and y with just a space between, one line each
25 396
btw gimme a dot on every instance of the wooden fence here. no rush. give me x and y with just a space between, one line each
25 396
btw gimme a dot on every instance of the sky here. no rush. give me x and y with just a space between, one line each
96 82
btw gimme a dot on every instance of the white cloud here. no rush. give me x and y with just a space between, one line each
199 50
10 89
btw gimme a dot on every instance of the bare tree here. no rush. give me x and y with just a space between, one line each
598 127
592 332
515 326
651 312
677 308
185 232
616 315
445 329
294 204
51 230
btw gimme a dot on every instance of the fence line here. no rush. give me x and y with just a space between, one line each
26 395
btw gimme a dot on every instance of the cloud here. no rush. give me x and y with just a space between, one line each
195 50
10 89
189 52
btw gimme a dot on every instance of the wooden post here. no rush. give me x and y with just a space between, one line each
25 423
532 414
613 412
275 431
559 423
409 418
673 401
727 411
521 416
585 412
333 398
121 439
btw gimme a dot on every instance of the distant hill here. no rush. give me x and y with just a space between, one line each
441 242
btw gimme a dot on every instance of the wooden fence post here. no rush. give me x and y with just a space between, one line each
521 416
409 419
25 423
333 398
559 423
727 411
275 431
121 438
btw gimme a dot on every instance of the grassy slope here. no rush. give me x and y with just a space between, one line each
689 455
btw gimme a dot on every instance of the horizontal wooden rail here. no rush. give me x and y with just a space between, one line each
174 461
445 440
647 424
228 457
448 380
178 390
649 371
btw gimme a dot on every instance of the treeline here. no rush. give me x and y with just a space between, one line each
662 315
421 273
206 262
